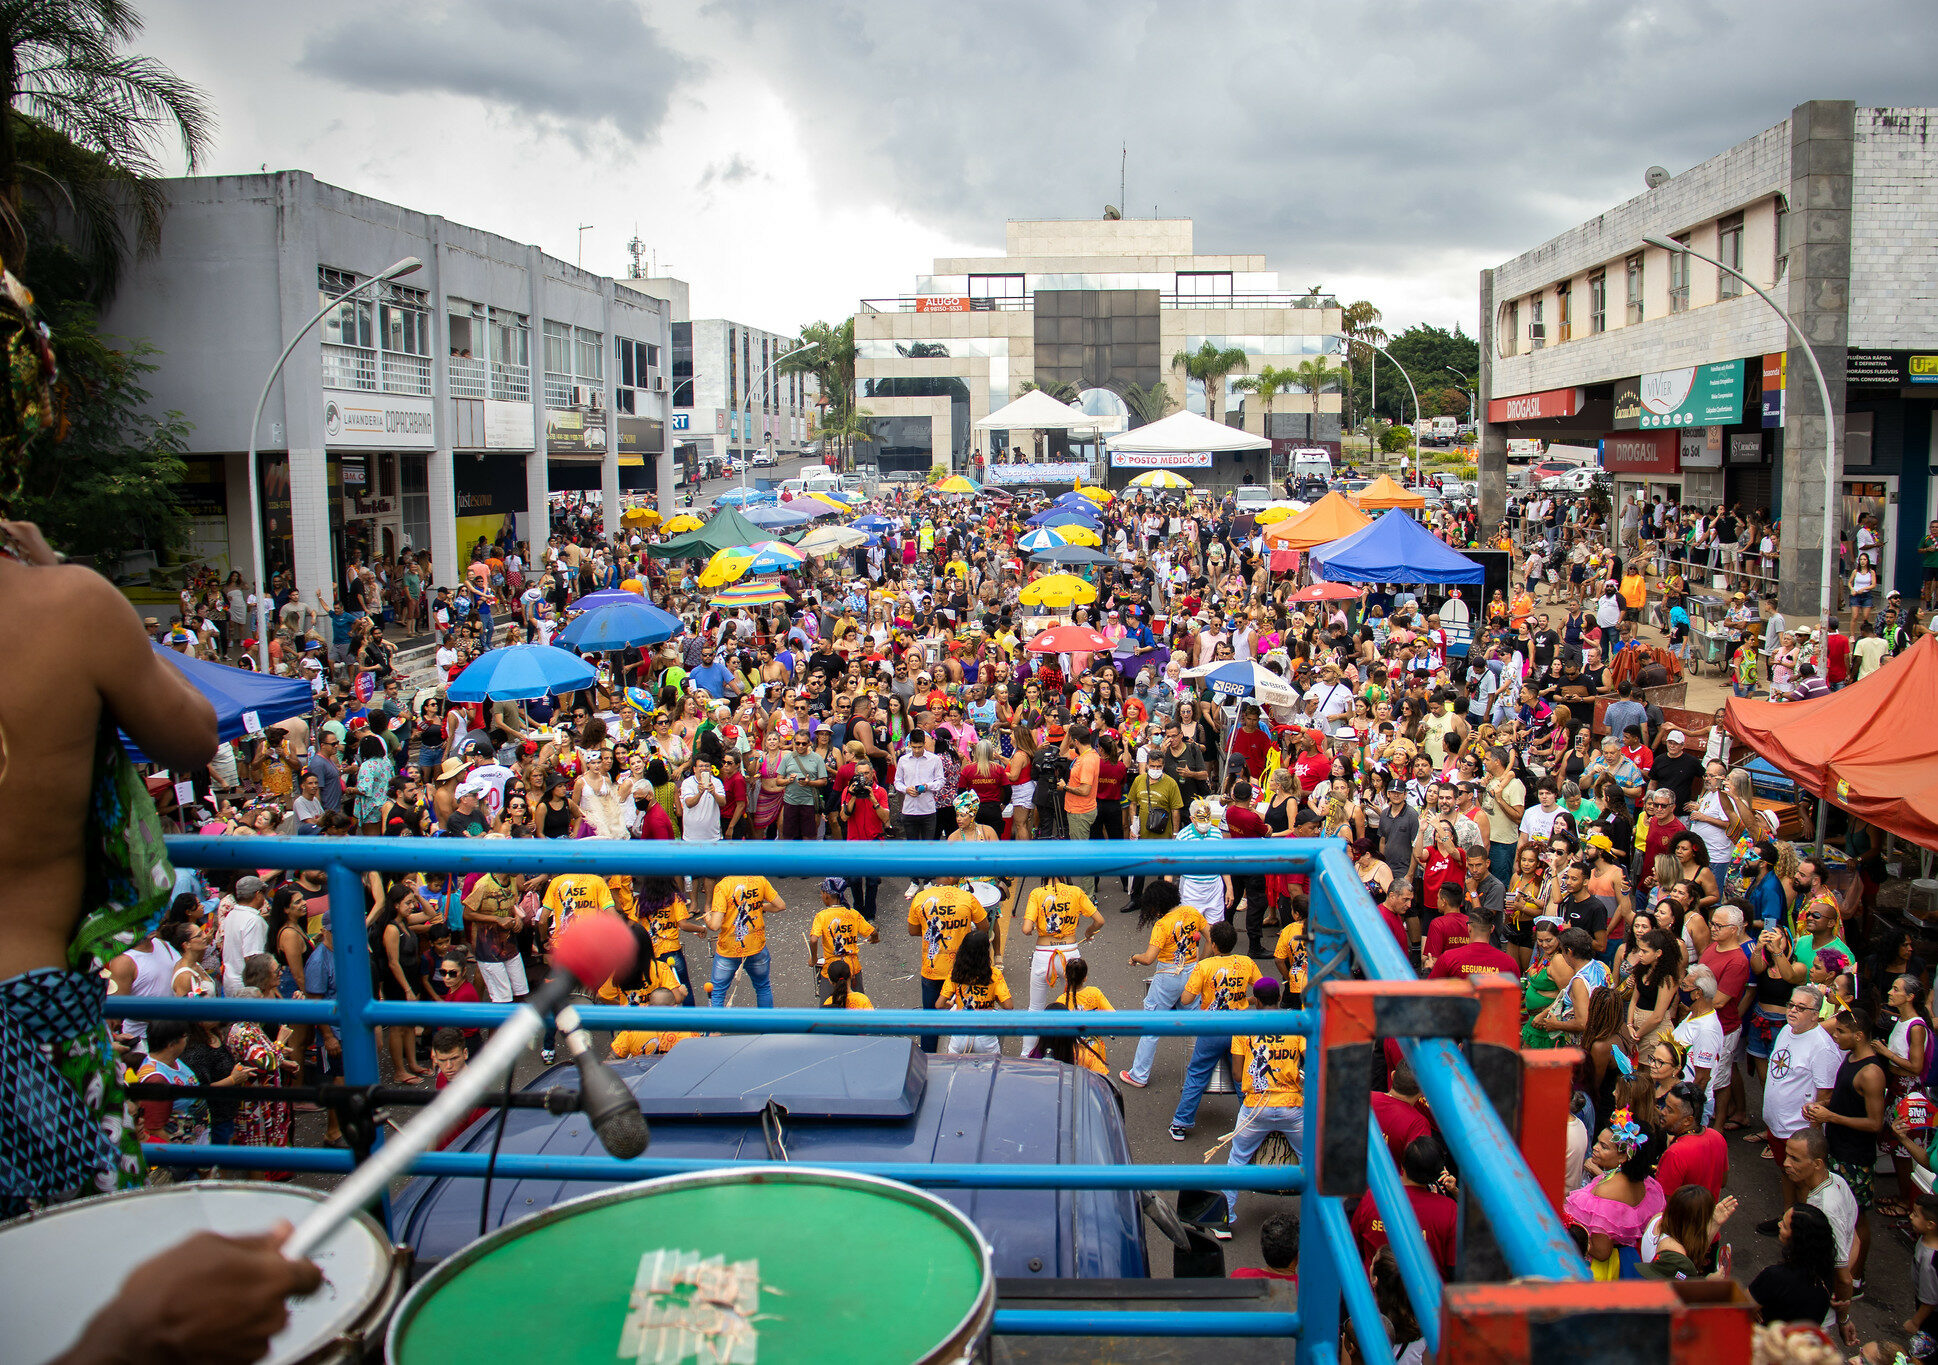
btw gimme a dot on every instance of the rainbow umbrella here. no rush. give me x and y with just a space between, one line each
726 566
957 484
771 556
750 595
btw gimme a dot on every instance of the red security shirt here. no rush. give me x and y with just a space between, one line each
1400 1122
1471 958
1436 1215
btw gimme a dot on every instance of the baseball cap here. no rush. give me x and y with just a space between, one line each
247 887
1674 737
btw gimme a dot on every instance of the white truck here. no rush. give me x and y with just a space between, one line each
1439 431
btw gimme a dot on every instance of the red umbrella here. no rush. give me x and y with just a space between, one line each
1066 639
1327 592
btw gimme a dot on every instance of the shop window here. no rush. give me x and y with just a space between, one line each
1729 250
1564 311
1679 277
1634 280
1507 334
1598 303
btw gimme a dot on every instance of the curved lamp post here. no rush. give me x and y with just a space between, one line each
759 375
1361 341
403 267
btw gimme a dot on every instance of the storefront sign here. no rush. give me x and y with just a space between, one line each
640 438
941 303
377 421
1694 396
1065 472
1746 449
1881 369
1535 407
1702 449
508 426
1654 453
720 421
1776 367
1160 459
682 421
355 474
569 432
1628 403
1921 369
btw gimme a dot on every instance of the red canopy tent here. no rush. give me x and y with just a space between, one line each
1871 748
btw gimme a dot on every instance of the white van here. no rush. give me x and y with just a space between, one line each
819 476
1312 463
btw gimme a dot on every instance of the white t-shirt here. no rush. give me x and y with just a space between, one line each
1715 837
244 933
490 779
1702 1041
1537 823
1801 1064
700 822
1835 1201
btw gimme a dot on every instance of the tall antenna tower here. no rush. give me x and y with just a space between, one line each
637 250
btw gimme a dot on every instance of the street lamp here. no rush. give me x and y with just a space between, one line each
1349 340
403 267
1830 432
1471 419
753 384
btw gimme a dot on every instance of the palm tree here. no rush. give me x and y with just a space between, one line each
80 126
1313 376
1209 366
1360 321
1060 389
1148 403
1268 383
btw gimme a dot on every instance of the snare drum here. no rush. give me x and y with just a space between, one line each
988 894
59 1267
826 1266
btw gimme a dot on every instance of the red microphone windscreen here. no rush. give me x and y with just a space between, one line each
595 948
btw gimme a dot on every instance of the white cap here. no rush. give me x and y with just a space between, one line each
1674 737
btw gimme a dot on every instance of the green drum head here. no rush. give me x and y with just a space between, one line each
851 1270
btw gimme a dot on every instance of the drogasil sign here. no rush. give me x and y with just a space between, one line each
1535 407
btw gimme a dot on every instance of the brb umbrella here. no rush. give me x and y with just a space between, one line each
1060 590
737 497
605 597
521 673
1072 554
872 524
1242 678
623 625
1046 538
1067 639
1064 516
779 518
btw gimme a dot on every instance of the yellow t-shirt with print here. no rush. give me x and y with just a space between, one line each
945 915
1222 983
572 894
743 930
1272 1068
961 996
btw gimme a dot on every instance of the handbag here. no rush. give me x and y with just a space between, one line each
1157 819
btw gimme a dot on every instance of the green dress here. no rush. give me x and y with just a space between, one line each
1538 991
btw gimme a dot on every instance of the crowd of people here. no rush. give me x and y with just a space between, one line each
1624 878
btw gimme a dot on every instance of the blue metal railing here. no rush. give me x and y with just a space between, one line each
1343 928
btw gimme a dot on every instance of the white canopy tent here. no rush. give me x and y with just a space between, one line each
1185 431
1037 411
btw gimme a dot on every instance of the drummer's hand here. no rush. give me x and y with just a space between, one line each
163 1312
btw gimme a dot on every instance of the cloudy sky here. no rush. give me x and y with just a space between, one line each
790 157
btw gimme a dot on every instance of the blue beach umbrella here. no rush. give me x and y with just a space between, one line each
521 673
622 625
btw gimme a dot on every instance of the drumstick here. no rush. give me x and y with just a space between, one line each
592 949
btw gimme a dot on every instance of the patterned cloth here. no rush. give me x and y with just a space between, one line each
65 1128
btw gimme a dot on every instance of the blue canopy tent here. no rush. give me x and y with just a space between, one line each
232 691
777 518
1394 549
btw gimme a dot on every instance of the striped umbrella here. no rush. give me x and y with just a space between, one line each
1046 538
1160 478
726 566
750 595
771 556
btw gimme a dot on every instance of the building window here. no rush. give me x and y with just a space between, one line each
733 370
1782 240
590 358
404 332
349 323
1634 314
510 336
1564 310
1679 277
995 286
682 364
1204 283
558 365
1729 250
1507 337
1598 303
1537 328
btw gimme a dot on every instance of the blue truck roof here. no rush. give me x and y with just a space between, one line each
844 1099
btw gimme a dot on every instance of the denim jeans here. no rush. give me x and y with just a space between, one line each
1500 860
1204 1057
1165 988
677 960
757 972
1255 1122
867 893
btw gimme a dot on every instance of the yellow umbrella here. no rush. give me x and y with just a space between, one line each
1079 535
641 516
726 566
958 484
1272 514
685 521
1160 478
1101 496
1060 591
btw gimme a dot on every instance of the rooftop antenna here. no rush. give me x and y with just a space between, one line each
636 249
1123 164
583 229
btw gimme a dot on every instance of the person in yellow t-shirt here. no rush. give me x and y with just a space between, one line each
837 934
1178 933
571 894
1271 1071
640 1043
1054 913
1223 982
662 911
975 983
839 997
1290 954
1071 976
738 921
940 916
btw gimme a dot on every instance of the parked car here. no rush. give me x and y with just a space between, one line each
1578 480
1252 497
1308 488
837 1099
1545 469
764 459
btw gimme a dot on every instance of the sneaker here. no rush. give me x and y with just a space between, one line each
1768 1227
909 894
1131 1080
547 1056
1179 1134
1222 1231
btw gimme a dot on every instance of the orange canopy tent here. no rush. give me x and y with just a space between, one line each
1329 519
1383 493
1870 748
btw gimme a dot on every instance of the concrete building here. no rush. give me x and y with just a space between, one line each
714 361
1102 305
1693 388
422 413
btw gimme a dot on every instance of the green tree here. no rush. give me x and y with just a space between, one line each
1313 376
1267 384
1148 402
1394 439
1359 320
104 484
826 355
1426 353
80 131
1060 389
1209 366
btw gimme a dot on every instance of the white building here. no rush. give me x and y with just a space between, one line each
425 411
1692 387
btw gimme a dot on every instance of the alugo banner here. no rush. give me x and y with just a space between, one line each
1694 396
